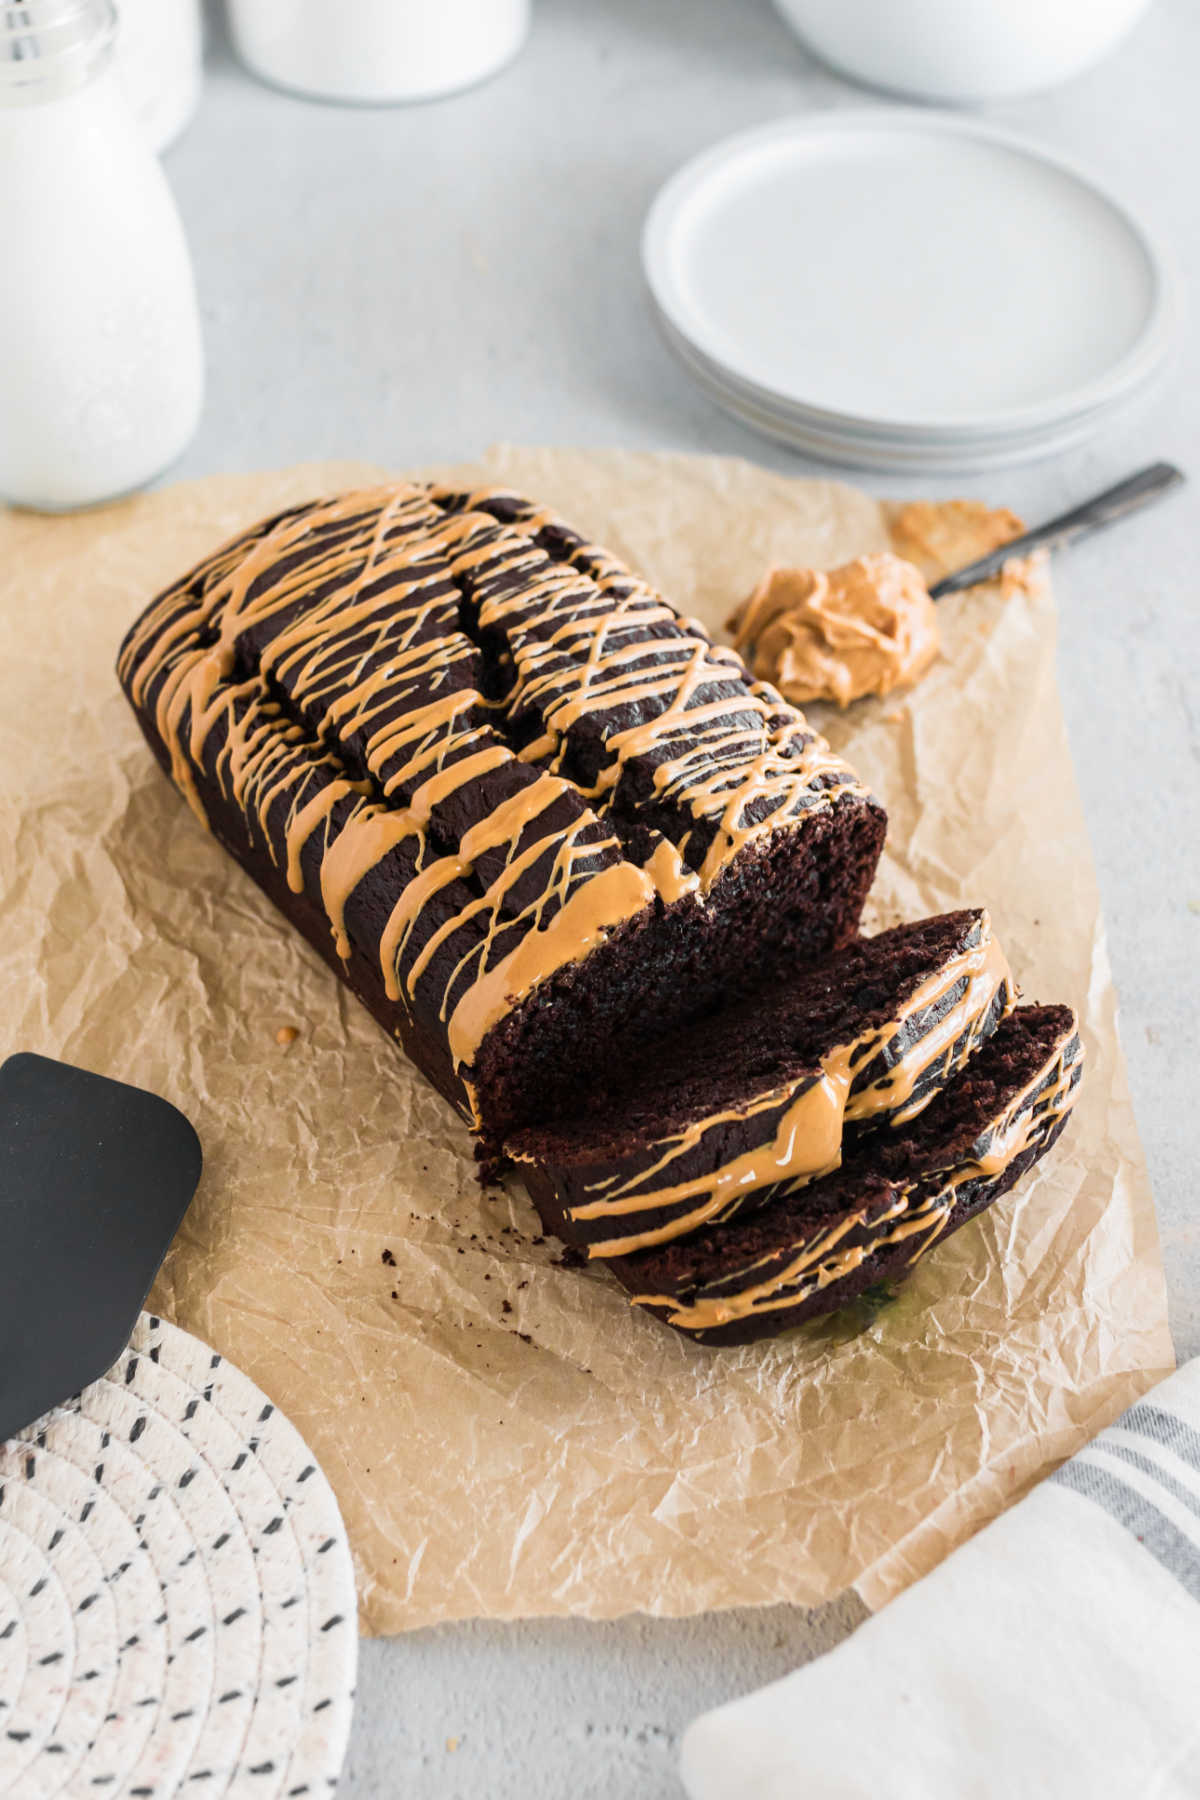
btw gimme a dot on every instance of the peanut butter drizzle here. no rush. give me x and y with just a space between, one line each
439 787
607 900
807 1140
381 571
1045 1099
305 821
923 1209
369 835
695 767
413 898
670 875
983 973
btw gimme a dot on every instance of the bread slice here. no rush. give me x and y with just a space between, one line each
898 1193
714 1118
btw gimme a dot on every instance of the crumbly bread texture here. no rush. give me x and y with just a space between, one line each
719 1114
530 815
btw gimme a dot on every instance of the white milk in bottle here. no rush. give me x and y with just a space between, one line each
101 367
159 63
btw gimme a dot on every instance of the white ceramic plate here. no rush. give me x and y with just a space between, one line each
881 436
836 443
909 274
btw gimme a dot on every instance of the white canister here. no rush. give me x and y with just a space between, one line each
377 51
101 368
159 59
960 51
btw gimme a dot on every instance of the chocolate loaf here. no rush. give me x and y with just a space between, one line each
530 815
898 1192
716 1117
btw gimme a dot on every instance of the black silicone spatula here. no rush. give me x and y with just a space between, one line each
95 1178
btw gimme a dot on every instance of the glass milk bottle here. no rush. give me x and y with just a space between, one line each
101 367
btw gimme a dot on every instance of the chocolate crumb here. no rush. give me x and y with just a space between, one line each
388 1260
506 1306
524 1337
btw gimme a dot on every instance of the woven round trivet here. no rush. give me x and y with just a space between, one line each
177 1607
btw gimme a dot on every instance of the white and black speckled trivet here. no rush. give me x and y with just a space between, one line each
177 1608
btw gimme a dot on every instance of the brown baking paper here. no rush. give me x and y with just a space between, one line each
506 1436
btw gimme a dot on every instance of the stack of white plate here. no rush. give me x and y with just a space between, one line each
908 290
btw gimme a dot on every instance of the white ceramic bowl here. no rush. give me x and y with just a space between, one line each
961 50
374 52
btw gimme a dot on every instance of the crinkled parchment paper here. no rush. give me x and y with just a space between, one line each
505 1436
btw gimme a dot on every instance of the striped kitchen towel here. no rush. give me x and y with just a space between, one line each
1057 1654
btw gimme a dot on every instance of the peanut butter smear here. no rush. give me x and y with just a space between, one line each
839 634
941 536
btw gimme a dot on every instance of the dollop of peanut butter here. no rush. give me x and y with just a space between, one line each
838 634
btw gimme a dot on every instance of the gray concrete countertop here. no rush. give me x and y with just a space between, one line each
408 285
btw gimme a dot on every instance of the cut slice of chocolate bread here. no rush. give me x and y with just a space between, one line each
897 1194
530 815
712 1119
